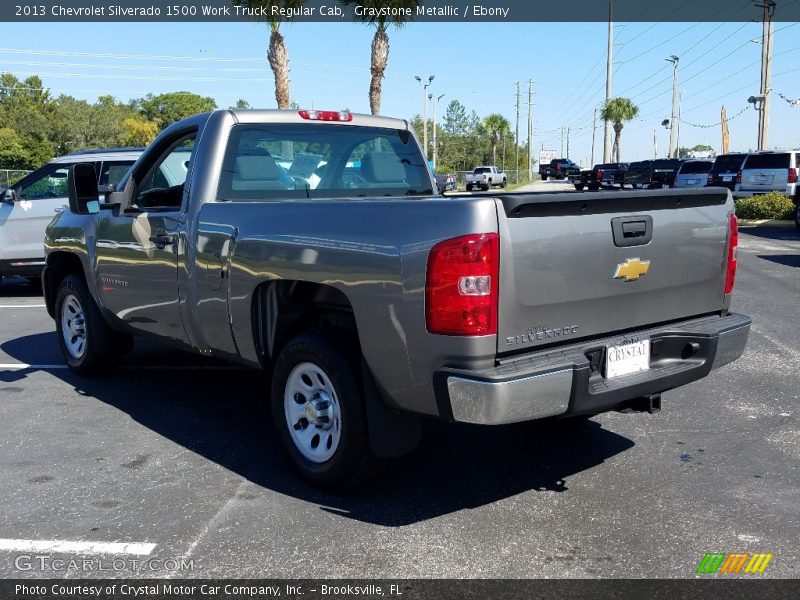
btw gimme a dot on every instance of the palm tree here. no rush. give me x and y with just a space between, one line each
618 110
277 55
380 41
497 127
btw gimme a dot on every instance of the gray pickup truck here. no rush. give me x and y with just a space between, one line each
311 245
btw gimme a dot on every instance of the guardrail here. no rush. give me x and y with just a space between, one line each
11 176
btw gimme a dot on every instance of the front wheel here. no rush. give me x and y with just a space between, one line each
797 214
86 341
319 412
579 186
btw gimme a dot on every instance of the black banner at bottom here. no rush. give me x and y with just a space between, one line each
416 589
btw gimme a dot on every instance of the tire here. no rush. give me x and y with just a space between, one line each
544 177
579 186
86 341
594 187
335 453
487 187
797 213
504 184
469 187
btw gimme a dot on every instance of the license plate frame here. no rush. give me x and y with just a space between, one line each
627 359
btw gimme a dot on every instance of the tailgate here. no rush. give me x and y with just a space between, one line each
559 256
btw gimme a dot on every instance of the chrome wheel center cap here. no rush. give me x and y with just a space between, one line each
319 410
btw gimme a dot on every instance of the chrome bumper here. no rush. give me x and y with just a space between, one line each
563 381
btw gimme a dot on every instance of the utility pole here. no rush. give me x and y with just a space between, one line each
607 139
425 111
768 30
516 139
562 142
655 144
434 127
530 129
567 142
594 129
673 121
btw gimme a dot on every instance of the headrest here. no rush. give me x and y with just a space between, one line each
382 167
256 168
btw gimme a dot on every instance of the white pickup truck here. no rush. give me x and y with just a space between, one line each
485 178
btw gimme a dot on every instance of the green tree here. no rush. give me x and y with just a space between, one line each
137 132
165 109
27 108
277 54
379 56
455 118
240 105
13 154
497 127
618 110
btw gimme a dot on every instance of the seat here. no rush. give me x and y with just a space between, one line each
259 173
383 170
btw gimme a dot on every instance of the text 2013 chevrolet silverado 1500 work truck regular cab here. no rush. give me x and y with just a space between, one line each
311 245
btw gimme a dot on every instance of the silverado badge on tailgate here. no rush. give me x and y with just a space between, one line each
632 269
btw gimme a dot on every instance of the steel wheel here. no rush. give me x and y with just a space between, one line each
312 412
73 326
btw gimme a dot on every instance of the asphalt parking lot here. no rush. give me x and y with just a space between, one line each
171 458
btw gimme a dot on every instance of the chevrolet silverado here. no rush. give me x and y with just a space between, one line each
311 245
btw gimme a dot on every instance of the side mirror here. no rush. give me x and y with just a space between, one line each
84 199
10 196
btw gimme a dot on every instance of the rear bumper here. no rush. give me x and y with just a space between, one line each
789 190
569 380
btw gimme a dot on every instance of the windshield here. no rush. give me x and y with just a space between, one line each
271 161
767 161
694 167
728 163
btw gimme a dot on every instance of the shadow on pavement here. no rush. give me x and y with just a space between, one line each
221 415
788 260
772 233
18 287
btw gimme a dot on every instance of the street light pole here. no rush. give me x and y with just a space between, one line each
594 129
766 70
673 129
609 65
425 111
434 127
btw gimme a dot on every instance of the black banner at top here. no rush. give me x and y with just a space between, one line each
335 11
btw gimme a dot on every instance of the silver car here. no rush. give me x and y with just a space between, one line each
769 171
29 204
693 173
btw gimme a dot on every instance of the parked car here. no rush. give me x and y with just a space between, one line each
769 171
373 302
693 173
485 178
664 172
639 174
726 170
557 169
606 174
444 182
28 205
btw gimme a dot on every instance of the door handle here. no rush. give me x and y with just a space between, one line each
632 231
161 239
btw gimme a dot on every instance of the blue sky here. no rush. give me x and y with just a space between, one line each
476 64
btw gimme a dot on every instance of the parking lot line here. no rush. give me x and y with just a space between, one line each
23 366
70 547
23 305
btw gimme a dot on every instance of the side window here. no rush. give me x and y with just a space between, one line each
162 186
112 172
51 184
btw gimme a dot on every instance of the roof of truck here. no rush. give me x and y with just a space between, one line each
260 115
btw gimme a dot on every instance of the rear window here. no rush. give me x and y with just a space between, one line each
271 161
699 166
767 161
480 170
666 164
728 163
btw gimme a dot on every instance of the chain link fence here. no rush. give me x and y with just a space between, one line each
11 176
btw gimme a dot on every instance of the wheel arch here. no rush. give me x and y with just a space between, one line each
59 265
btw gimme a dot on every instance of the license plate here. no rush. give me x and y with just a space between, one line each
692 181
727 178
664 186
627 358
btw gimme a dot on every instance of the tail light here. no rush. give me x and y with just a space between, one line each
792 175
739 176
710 179
730 274
599 174
325 115
461 285
558 167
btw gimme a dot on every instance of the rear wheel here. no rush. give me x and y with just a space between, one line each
319 412
579 186
469 187
86 341
797 213
544 177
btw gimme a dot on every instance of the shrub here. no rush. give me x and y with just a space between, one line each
774 205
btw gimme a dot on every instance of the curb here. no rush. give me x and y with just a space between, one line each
766 223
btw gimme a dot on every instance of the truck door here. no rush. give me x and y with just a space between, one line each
138 248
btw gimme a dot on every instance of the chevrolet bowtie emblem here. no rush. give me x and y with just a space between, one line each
632 269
